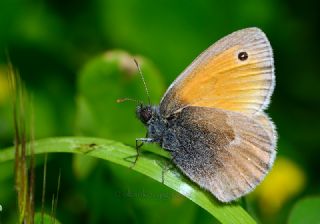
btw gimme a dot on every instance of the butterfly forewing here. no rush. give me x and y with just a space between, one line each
236 73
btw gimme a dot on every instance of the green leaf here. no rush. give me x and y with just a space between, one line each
306 210
107 78
149 164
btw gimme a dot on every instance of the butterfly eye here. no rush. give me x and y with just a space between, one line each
242 56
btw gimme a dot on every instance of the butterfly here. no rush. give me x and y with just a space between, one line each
212 121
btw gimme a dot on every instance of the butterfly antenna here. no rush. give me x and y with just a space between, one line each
129 99
143 80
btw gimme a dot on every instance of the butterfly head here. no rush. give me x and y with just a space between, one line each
144 113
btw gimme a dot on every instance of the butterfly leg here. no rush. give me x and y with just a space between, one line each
139 144
165 169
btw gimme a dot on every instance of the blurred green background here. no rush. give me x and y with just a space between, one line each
75 58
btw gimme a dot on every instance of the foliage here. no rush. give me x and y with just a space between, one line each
76 59
306 211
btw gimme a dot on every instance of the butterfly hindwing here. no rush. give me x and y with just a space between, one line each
227 153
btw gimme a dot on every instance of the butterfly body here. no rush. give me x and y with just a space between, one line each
211 118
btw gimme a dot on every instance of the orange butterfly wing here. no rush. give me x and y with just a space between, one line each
236 74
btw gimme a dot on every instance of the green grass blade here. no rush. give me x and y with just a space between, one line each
149 164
